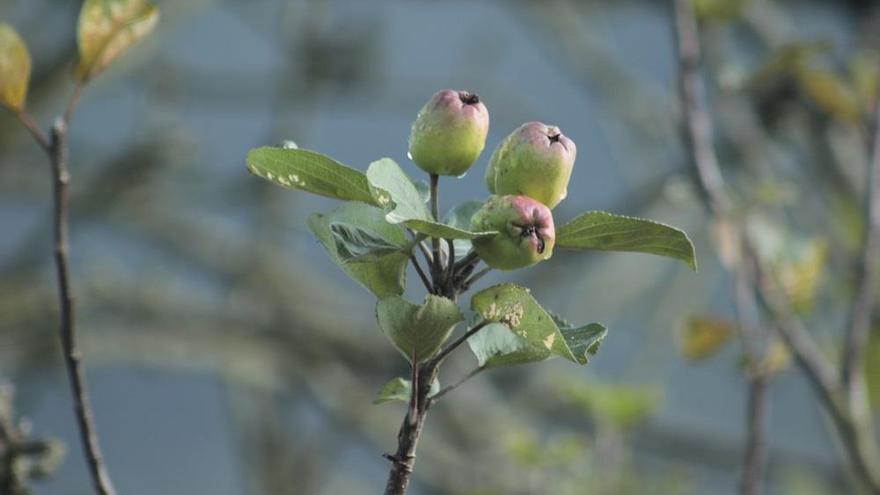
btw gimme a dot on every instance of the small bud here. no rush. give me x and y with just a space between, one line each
526 233
535 160
449 133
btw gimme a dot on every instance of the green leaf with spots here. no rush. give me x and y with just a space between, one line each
383 276
107 29
418 331
607 232
311 172
515 307
495 345
15 68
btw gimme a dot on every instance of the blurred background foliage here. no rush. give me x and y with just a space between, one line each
228 355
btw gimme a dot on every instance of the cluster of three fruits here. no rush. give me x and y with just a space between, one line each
528 174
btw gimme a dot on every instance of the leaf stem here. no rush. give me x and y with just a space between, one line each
31 125
414 393
437 270
450 270
467 283
449 388
457 342
73 102
468 259
418 267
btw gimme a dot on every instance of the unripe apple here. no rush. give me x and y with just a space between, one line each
526 234
535 160
449 133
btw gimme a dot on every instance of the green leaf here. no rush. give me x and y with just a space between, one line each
15 68
400 389
704 336
357 245
383 276
389 180
583 341
311 172
418 331
513 306
496 345
397 389
394 190
460 217
107 28
607 232
424 191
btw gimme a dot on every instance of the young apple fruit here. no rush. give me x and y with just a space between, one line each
526 233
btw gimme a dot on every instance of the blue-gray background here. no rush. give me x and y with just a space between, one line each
228 355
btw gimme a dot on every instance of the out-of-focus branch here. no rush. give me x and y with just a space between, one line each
864 301
699 136
755 452
855 432
21 458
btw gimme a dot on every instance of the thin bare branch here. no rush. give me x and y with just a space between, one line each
72 356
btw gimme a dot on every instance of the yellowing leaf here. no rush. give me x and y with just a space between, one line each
704 336
718 10
830 93
801 277
107 28
777 359
864 74
15 68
